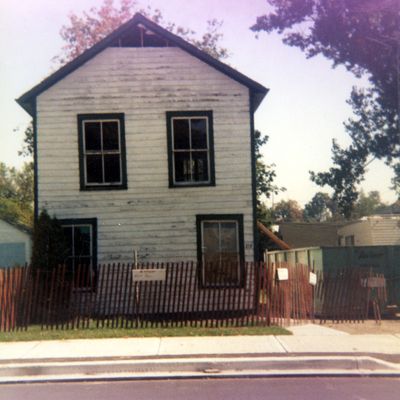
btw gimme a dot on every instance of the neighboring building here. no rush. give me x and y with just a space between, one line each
374 230
145 144
15 244
307 234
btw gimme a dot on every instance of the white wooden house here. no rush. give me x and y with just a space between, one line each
145 144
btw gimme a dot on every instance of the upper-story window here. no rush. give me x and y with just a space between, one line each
190 148
102 151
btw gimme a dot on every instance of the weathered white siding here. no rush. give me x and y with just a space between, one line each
144 83
374 231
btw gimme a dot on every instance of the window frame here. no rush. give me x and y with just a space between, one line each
170 116
220 218
92 222
101 117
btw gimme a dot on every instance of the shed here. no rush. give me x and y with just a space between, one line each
15 244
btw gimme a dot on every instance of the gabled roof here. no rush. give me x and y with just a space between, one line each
26 101
21 227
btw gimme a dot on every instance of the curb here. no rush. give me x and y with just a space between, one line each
197 368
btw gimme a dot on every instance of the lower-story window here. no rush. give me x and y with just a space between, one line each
220 249
81 237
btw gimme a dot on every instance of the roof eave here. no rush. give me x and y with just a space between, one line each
27 99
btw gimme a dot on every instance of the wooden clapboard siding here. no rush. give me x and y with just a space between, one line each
149 217
373 230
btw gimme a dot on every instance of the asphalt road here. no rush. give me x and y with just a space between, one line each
232 389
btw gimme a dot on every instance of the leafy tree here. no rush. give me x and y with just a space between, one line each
344 176
16 194
86 30
396 180
265 176
288 211
368 204
318 208
49 248
27 147
363 36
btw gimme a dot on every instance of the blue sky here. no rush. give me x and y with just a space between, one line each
304 110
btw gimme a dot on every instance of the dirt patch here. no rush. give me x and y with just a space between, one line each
367 327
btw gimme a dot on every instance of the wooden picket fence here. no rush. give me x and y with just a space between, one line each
350 295
58 299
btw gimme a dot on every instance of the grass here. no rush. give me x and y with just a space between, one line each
35 333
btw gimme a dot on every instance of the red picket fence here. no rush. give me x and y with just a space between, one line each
350 295
12 297
125 296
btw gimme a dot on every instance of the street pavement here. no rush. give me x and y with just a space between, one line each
311 350
309 388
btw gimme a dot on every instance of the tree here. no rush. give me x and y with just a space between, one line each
319 208
265 176
288 211
368 204
344 176
364 36
16 194
49 248
86 30
27 147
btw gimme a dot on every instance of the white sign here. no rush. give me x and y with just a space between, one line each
283 274
376 282
153 274
313 278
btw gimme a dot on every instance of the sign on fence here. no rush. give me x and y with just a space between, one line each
313 278
151 274
283 274
376 282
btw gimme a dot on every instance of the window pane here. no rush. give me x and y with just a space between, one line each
220 253
67 230
112 169
229 237
82 241
92 136
210 237
200 166
182 167
181 134
94 169
110 136
199 133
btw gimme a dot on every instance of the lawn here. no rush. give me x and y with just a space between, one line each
35 332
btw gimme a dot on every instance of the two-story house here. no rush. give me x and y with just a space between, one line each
145 144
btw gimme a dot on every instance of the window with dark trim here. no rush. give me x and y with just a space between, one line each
190 148
349 240
102 155
81 238
220 249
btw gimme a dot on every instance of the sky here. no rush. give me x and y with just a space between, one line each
304 110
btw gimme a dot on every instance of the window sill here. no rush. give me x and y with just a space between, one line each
190 185
103 187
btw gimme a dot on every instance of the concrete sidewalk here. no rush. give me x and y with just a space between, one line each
312 349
